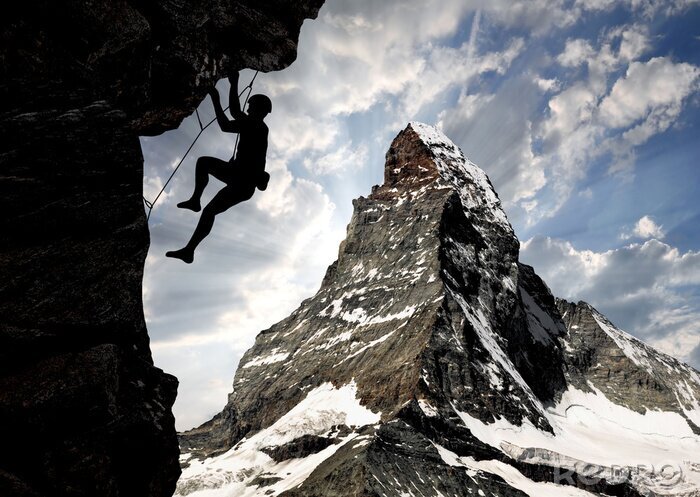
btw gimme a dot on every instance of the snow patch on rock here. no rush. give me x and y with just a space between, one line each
273 357
233 473
511 475
584 423
458 172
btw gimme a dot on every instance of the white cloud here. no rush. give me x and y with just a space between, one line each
547 85
297 134
152 186
587 193
537 15
448 67
542 16
595 4
568 111
289 197
466 109
651 97
528 180
651 8
341 71
576 53
345 158
616 46
353 23
645 228
590 118
641 287
653 86
634 42
647 8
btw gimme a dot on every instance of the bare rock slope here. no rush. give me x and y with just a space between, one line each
431 362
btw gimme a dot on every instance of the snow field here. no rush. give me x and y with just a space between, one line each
589 428
231 473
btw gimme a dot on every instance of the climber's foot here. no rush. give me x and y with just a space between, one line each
190 204
183 254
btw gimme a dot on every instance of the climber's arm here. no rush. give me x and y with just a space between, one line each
224 122
233 102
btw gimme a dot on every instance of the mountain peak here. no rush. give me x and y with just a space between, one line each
410 160
431 362
422 157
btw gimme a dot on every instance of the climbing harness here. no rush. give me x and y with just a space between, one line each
151 204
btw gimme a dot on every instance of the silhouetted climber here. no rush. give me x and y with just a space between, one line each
242 174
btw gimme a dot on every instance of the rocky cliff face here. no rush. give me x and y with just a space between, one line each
83 411
431 362
599 356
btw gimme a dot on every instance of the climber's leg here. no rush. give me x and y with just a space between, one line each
205 166
222 201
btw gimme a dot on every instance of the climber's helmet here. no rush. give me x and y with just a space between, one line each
260 105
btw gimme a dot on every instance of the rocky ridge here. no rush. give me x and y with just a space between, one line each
432 362
83 411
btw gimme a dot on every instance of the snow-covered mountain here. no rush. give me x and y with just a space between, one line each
432 363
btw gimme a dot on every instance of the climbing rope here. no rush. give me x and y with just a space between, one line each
151 204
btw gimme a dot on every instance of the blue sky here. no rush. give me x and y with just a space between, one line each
584 113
